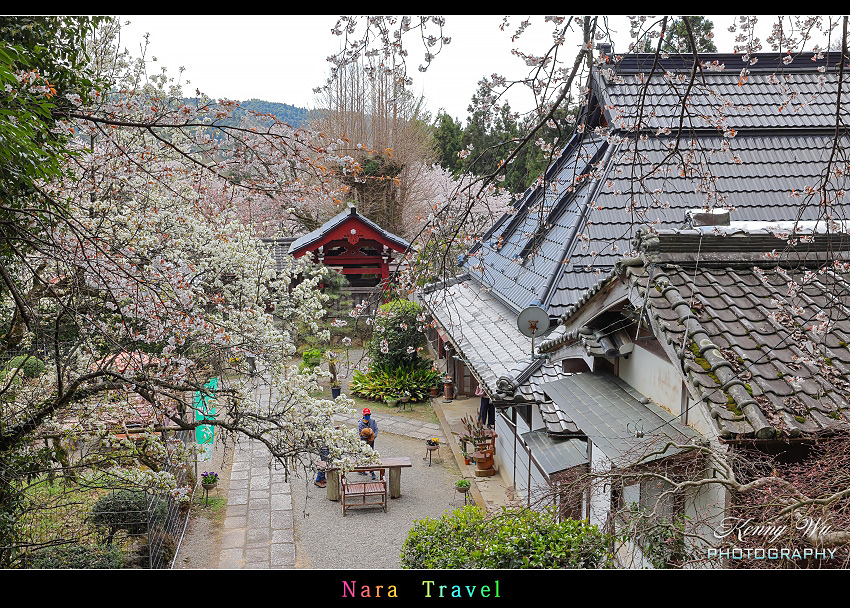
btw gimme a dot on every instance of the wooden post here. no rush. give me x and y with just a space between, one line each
395 482
332 479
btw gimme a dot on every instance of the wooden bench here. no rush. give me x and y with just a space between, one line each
368 493
395 465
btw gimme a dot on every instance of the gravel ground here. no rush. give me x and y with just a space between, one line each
369 538
363 539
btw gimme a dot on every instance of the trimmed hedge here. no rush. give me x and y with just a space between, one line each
31 367
524 538
78 556
127 510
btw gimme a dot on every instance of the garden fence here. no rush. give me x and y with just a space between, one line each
166 526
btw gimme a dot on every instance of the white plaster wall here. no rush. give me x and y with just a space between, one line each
653 377
515 472
600 496
699 421
706 509
504 449
521 464
537 422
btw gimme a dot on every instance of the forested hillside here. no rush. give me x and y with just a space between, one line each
291 115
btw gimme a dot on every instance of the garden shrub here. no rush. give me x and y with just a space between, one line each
384 382
396 334
75 555
127 510
154 550
31 367
518 538
311 358
9 377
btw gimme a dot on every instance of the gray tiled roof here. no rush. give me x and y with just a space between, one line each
626 426
752 352
556 421
503 262
774 155
485 332
555 454
279 249
772 168
316 235
584 231
764 100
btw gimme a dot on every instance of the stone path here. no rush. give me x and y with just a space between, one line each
259 525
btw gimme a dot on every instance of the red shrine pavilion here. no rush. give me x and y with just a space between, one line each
353 245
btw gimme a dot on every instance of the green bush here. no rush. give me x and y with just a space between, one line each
78 556
311 358
7 377
384 382
31 367
127 510
468 538
396 332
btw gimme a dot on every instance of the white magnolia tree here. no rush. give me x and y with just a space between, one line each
130 279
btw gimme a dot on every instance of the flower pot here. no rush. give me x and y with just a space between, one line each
483 460
466 461
336 391
392 402
208 486
462 490
435 392
405 399
484 463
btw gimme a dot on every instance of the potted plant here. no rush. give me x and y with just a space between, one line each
473 433
462 485
333 358
432 443
435 389
466 459
404 396
209 480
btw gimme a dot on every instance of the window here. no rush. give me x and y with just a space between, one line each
652 517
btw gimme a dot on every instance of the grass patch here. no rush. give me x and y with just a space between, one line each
210 506
212 509
58 510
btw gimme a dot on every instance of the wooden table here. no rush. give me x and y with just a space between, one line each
395 465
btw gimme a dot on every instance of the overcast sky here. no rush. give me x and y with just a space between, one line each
281 58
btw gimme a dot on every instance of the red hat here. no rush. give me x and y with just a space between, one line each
366 410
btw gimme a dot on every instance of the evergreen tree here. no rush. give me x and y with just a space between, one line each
448 134
676 38
490 137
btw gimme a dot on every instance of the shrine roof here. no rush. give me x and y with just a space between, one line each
325 233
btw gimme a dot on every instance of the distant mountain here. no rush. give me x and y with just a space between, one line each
291 115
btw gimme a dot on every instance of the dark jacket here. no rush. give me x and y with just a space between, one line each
371 423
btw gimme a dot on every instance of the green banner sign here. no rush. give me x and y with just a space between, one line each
205 410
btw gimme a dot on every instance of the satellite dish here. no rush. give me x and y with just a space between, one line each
532 320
